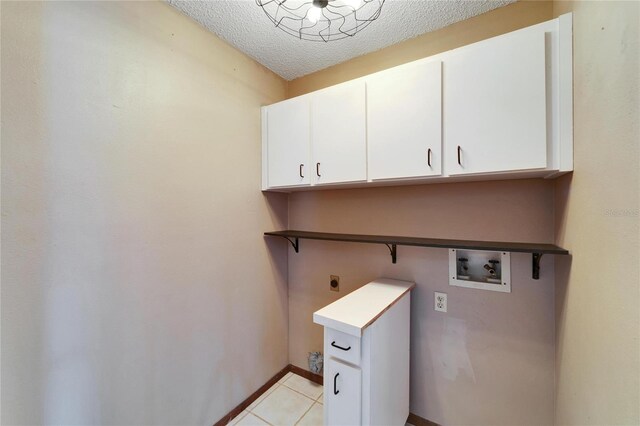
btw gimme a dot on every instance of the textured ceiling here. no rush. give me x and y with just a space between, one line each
244 25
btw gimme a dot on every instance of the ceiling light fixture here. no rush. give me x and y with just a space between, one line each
321 20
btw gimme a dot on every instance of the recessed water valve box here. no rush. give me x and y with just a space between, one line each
480 269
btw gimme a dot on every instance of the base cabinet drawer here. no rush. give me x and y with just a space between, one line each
343 394
342 346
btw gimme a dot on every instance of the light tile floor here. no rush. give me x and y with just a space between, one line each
294 400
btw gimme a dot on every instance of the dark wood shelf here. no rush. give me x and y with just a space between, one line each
536 249
425 242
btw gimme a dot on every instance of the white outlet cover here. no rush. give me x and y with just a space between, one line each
440 301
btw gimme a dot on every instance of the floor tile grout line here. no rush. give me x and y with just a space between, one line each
261 418
305 413
239 417
265 394
297 391
313 401
286 377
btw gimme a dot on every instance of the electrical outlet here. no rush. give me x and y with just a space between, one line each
334 283
440 301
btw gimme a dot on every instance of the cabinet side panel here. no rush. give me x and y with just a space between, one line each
265 172
389 365
366 375
565 71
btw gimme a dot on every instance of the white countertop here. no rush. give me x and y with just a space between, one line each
352 313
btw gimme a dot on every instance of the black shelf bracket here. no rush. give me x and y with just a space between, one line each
393 251
294 243
535 264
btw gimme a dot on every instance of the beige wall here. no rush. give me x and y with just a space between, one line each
490 359
136 285
598 295
493 23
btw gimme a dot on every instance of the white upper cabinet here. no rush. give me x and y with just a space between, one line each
288 151
338 134
495 105
499 108
404 121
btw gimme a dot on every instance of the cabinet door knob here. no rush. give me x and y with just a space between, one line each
318 169
429 157
459 154
301 167
335 386
339 347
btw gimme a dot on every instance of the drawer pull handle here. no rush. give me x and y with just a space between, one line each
301 174
339 347
459 159
318 169
335 390
429 157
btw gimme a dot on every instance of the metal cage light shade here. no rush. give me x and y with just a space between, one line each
321 20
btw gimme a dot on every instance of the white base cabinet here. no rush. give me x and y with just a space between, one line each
366 347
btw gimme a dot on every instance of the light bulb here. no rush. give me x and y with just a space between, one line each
314 14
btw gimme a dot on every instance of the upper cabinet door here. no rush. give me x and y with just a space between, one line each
404 121
339 134
288 145
495 105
